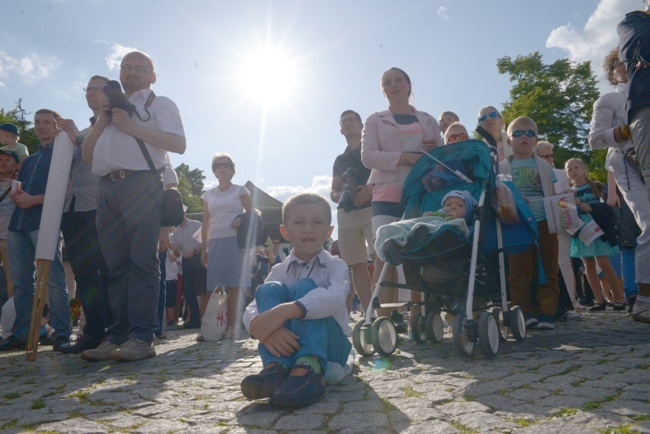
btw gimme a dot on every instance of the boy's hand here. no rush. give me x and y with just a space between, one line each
263 325
282 342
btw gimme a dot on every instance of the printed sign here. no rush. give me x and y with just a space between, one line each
589 232
561 213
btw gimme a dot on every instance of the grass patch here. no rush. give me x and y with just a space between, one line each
462 428
523 422
38 404
12 423
645 367
79 394
592 405
411 393
623 429
12 395
641 417
567 411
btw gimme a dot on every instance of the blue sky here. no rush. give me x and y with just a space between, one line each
310 61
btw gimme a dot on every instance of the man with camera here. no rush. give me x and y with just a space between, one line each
129 205
353 215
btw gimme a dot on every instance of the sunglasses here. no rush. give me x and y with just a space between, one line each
546 156
520 133
222 166
493 115
457 138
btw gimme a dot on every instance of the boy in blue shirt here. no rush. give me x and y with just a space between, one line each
534 178
299 315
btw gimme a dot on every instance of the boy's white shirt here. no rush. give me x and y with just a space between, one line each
332 278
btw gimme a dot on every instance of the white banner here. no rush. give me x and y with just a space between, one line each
57 182
561 212
589 232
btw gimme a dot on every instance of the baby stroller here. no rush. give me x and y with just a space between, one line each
469 166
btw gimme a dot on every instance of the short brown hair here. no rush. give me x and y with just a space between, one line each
609 65
307 199
45 111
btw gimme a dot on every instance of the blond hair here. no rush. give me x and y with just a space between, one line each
307 199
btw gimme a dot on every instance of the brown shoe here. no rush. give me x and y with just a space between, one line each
102 352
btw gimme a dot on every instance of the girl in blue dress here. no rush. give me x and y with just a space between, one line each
588 197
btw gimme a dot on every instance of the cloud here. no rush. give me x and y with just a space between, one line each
114 58
320 184
30 68
442 13
596 39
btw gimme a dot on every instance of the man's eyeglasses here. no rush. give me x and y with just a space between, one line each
347 121
139 69
222 166
493 115
93 89
546 156
520 133
457 138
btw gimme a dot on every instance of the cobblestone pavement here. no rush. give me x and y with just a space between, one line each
591 376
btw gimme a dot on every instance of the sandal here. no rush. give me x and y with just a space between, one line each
597 307
619 305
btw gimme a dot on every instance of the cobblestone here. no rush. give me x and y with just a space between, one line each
584 377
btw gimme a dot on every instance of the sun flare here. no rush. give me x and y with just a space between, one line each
268 76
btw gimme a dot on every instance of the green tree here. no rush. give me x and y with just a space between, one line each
18 116
559 97
190 184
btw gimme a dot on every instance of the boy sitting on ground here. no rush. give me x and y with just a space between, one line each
299 315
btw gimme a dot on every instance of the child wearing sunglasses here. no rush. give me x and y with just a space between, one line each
490 119
456 132
534 177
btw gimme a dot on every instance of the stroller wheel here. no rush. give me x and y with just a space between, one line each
384 336
418 328
504 331
488 334
517 323
361 339
464 346
435 327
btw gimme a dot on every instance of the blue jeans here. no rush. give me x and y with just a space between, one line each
128 225
22 252
320 338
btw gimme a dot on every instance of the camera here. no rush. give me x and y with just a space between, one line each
350 185
117 98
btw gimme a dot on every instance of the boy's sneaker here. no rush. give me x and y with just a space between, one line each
571 315
301 388
545 322
102 352
264 384
641 311
531 321
134 350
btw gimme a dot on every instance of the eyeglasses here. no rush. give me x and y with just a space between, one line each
347 121
276 242
93 89
457 138
546 156
222 166
139 69
493 115
527 133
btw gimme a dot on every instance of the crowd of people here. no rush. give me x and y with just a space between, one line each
131 272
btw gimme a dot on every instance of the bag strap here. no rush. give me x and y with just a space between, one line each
486 135
143 148
5 194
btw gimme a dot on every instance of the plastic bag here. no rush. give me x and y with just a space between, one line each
215 318
504 204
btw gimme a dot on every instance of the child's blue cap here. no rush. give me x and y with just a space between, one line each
470 202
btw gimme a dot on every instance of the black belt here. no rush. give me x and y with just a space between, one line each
121 174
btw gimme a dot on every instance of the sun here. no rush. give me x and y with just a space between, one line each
268 76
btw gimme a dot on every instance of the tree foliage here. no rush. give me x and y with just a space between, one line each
190 184
18 116
559 97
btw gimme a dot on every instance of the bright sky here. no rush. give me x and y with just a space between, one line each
266 81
